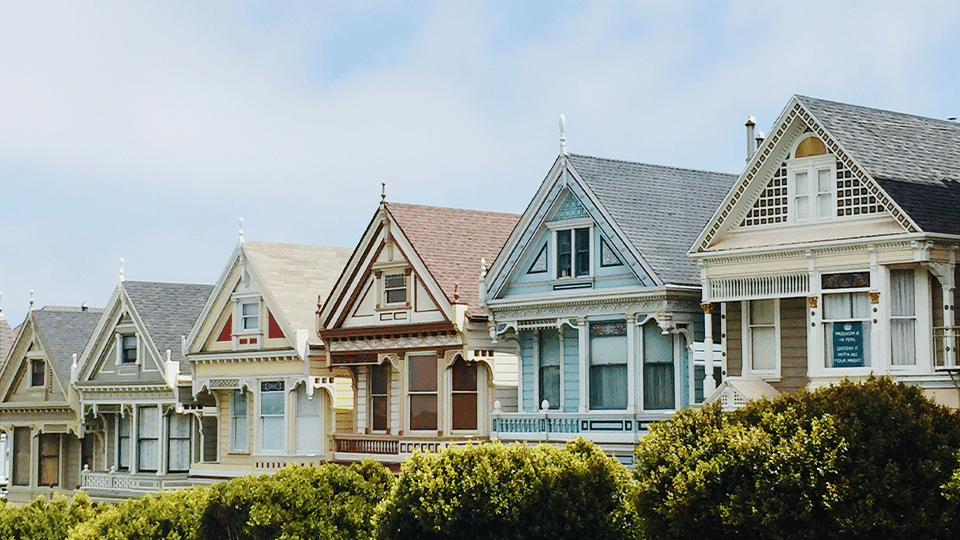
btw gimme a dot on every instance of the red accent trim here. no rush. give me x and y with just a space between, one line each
226 333
273 329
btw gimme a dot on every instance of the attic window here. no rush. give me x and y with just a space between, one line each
811 146
395 288
250 316
128 354
37 372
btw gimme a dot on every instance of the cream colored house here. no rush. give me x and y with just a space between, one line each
134 388
835 254
270 404
39 410
405 321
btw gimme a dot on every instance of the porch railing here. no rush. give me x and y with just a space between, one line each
946 341
552 425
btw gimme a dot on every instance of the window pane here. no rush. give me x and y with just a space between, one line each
563 253
423 412
901 293
824 181
658 386
803 208
464 377
824 205
465 411
49 473
764 348
308 422
379 406
129 349
395 286
271 430
180 426
801 183
423 373
380 375
583 252
149 423
848 344
549 347
836 306
179 457
394 281
903 341
550 386
239 423
608 386
148 454
21 456
38 375
608 343
271 403
762 312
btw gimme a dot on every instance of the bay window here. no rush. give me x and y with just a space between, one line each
178 443
549 371
422 389
464 395
846 322
272 432
608 365
309 428
239 425
148 439
903 318
379 396
658 369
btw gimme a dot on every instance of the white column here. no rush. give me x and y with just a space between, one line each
632 361
134 437
162 439
563 354
709 382
584 357
949 316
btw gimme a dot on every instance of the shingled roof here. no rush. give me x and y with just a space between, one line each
660 209
64 331
296 275
7 335
168 311
916 160
451 242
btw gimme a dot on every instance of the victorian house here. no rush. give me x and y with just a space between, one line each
405 320
144 428
270 403
595 292
835 253
39 410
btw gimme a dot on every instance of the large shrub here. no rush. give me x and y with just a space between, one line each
168 515
493 491
49 520
846 461
330 502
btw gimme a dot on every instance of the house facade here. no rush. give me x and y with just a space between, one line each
405 320
134 389
40 411
834 255
595 292
257 359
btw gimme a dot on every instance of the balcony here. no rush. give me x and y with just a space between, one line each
550 426
392 448
114 486
946 340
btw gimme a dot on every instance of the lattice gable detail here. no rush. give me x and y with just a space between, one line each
729 211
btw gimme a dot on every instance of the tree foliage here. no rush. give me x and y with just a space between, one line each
846 461
493 491
168 515
50 520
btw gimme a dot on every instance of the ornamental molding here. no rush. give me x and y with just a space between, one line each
807 252
411 342
587 308
241 357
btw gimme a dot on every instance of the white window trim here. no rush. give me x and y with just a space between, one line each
234 447
119 342
811 165
747 336
439 393
878 361
570 224
284 422
922 317
446 420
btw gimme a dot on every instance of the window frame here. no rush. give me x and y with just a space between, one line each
386 290
811 166
747 326
49 459
411 393
314 400
870 360
122 357
541 338
141 439
244 317
170 440
34 373
124 441
239 420
920 289
475 392
571 227
387 369
261 416
602 366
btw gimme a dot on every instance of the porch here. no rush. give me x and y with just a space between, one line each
391 448
117 486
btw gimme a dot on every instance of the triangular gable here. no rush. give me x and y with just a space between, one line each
359 299
757 199
15 383
563 195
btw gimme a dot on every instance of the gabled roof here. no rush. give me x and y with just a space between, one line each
168 311
64 331
451 242
661 210
7 335
296 275
916 160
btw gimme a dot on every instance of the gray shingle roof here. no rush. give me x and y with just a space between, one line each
64 331
660 209
7 335
168 310
916 160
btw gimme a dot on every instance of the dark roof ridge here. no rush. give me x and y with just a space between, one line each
671 167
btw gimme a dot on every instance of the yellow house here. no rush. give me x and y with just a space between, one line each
270 405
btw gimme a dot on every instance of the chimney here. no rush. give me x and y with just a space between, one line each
760 138
750 139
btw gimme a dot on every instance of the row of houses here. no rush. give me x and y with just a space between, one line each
622 294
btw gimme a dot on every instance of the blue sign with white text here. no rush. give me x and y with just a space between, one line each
848 344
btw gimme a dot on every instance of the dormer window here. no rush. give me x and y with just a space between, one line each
250 317
573 252
128 354
395 288
37 373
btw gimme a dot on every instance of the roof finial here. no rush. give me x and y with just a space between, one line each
383 192
563 136
241 231
456 292
31 299
122 279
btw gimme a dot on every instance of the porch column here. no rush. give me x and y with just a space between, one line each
948 284
709 383
162 439
584 356
133 443
632 361
34 458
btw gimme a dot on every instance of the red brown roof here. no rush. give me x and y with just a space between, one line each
451 243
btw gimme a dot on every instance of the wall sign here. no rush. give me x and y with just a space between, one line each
848 344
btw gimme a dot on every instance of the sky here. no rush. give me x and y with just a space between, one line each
146 130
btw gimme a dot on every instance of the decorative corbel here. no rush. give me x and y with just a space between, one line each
393 358
450 357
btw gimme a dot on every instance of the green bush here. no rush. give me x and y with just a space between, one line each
49 520
492 491
168 515
329 502
846 461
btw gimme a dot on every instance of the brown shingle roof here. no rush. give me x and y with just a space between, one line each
451 243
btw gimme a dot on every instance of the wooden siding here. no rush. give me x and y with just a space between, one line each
793 345
734 340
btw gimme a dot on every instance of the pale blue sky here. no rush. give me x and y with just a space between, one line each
145 130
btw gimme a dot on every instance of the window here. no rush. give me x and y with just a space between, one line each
395 288
37 370
148 439
573 252
903 319
129 352
813 180
178 444
309 428
608 365
49 464
423 392
379 396
21 456
762 329
272 432
658 370
250 317
123 443
238 421
549 342
846 322
464 398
